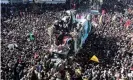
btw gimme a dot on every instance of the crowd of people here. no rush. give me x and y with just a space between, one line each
17 49
25 56
113 46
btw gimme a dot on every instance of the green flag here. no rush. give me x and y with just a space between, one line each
31 36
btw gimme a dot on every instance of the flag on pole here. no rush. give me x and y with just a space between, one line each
94 58
31 36
100 20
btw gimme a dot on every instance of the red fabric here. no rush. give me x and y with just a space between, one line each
131 68
35 55
103 12
65 39
128 23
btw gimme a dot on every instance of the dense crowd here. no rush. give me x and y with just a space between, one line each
25 58
17 49
113 46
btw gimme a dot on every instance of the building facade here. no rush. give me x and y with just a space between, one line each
16 1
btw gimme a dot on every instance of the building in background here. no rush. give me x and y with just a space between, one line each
16 1
4 1
36 1
127 1
50 1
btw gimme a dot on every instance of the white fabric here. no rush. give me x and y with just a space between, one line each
114 17
39 76
11 46
15 45
122 70
88 17
129 75
117 74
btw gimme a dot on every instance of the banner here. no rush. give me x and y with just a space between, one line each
94 58
100 20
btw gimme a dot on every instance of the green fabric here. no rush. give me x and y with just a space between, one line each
31 36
